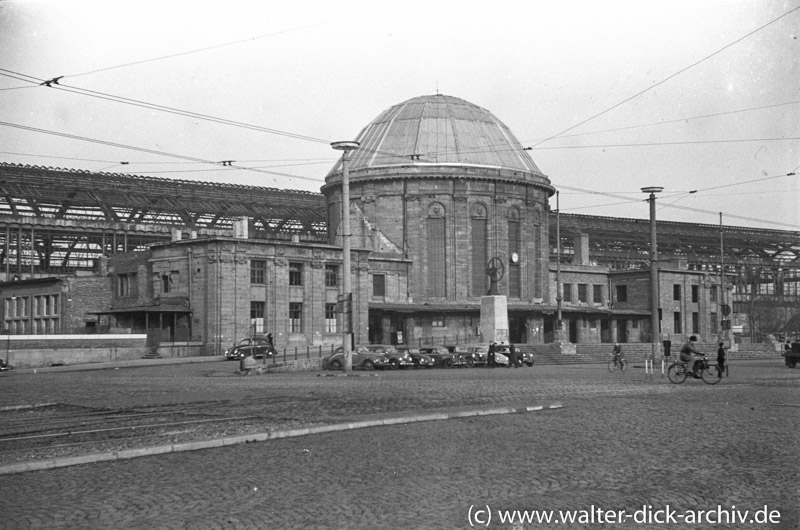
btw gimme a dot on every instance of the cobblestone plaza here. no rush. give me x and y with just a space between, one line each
619 443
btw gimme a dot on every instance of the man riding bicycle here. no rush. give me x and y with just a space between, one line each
617 353
688 352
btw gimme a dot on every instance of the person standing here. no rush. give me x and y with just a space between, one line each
490 361
721 358
512 356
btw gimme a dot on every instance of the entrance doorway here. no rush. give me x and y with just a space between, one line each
517 333
622 331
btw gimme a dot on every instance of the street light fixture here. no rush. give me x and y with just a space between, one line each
655 325
347 297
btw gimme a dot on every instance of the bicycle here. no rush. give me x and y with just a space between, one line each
709 372
615 364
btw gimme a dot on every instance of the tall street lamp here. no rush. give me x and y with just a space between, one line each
347 297
655 325
559 333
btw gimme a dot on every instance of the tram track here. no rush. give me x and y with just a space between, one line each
58 430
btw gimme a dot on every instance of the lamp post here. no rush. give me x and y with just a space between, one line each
347 300
559 333
654 321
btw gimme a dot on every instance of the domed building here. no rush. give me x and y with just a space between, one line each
439 188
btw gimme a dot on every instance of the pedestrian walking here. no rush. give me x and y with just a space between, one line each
721 358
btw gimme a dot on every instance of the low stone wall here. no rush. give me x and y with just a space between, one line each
34 351
168 350
256 367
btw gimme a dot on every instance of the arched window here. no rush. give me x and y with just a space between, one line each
480 255
514 247
537 252
436 251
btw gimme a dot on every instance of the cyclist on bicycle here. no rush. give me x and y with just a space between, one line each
688 352
617 353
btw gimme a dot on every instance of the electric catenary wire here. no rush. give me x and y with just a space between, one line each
152 151
651 87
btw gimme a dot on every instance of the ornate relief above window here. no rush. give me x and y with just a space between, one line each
478 211
436 210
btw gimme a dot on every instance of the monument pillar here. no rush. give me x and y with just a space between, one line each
494 318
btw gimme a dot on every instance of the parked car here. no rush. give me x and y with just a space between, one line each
523 358
4 365
397 359
476 355
463 352
361 358
420 360
258 348
442 357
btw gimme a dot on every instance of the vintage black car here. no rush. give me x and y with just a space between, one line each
258 348
442 357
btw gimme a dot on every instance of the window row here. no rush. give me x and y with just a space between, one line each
568 293
678 288
258 273
296 323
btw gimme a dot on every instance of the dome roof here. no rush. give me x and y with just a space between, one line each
439 130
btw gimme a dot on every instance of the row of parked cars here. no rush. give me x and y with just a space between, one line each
382 356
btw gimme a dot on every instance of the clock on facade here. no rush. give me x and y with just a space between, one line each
514 257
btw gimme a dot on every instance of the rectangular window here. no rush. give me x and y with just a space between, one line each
695 293
295 317
567 292
714 323
437 322
166 283
676 292
331 275
582 292
634 324
677 322
330 318
622 293
258 271
597 295
695 322
712 293
378 286
257 316
123 285
295 274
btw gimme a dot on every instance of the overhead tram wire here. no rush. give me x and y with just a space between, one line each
501 147
180 112
151 151
626 200
206 48
651 87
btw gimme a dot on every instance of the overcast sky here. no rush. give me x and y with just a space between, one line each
686 95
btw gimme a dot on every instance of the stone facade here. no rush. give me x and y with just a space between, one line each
237 288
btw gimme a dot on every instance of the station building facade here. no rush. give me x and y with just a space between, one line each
440 190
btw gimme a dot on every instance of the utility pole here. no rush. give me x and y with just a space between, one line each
559 322
347 296
655 323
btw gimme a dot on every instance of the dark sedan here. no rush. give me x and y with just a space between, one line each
257 348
